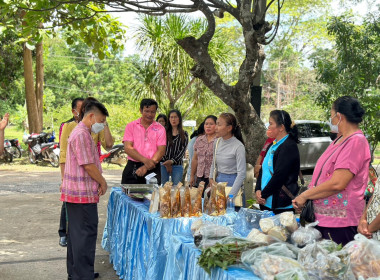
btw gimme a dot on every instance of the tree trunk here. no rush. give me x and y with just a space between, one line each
30 96
39 91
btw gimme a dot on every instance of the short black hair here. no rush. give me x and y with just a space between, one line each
350 107
162 116
147 102
91 103
75 101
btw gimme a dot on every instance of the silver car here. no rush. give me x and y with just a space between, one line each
315 138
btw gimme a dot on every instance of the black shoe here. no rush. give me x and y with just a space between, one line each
63 241
96 275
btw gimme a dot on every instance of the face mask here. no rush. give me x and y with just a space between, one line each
334 127
97 127
77 115
270 133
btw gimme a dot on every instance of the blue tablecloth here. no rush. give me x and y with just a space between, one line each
144 246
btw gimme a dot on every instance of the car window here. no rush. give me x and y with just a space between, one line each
303 130
318 130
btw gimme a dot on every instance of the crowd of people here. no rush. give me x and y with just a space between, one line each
216 154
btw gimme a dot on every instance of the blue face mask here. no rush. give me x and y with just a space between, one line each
97 127
334 127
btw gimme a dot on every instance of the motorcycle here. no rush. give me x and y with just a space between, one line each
40 149
16 148
116 155
7 156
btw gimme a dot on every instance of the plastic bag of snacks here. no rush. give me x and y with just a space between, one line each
273 227
306 235
267 224
176 202
197 207
249 219
209 234
185 202
165 200
207 195
155 200
288 220
364 257
212 208
221 198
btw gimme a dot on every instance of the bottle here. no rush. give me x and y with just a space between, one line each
230 204
170 179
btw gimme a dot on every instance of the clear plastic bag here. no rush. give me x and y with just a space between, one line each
185 202
249 219
221 198
165 200
288 220
212 208
306 235
267 224
364 256
176 202
197 206
210 234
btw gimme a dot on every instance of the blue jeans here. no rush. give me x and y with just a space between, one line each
177 172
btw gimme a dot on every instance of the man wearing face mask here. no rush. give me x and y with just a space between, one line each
100 134
82 185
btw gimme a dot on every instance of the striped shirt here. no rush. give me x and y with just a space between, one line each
176 150
77 185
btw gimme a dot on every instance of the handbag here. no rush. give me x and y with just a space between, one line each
239 195
307 213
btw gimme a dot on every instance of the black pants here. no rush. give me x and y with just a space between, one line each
130 177
81 240
62 223
276 211
341 235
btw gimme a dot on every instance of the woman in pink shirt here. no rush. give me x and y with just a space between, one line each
341 175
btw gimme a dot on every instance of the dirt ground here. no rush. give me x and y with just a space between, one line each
29 220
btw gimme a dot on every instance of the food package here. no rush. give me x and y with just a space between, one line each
249 219
209 234
165 200
279 233
288 220
176 202
212 208
258 237
154 202
306 235
185 202
197 206
325 260
364 257
221 198
207 195
196 225
268 223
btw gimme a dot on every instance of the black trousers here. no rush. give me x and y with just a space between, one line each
129 174
62 223
81 240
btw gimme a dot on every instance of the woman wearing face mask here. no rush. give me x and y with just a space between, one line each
229 152
203 153
176 143
281 165
341 175
263 152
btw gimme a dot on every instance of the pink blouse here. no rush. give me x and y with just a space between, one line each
205 152
344 208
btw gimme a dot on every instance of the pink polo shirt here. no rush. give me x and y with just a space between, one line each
145 141
77 185
344 208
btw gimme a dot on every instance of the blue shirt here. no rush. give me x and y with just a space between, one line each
267 168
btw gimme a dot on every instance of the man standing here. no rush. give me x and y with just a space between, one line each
82 185
3 124
145 143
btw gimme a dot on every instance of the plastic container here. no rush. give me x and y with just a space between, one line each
230 204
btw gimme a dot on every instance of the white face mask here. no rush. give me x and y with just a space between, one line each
97 127
334 127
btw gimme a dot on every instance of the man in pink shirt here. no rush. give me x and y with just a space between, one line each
145 143
82 185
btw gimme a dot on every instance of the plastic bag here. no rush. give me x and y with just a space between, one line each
197 206
165 200
306 235
207 194
176 202
249 219
288 220
221 198
154 202
209 234
258 237
279 233
185 202
212 208
364 256
267 224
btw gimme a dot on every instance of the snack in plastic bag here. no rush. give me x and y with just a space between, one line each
249 219
279 232
165 200
176 201
306 235
258 237
207 195
268 223
221 198
364 256
195 226
209 234
197 207
186 202
212 208
154 202
288 220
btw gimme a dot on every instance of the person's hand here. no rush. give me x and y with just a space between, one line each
363 228
141 171
149 163
191 181
60 188
4 121
299 202
259 199
168 165
256 170
102 189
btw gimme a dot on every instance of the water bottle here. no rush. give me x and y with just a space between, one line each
230 204
152 181
170 179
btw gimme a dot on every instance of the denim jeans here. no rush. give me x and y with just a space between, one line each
177 172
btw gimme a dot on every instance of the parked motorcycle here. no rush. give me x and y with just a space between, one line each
40 149
116 155
7 155
16 149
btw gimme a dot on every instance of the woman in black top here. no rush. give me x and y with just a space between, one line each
176 144
277 180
